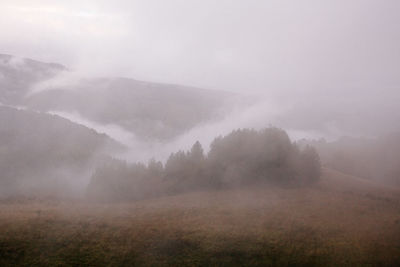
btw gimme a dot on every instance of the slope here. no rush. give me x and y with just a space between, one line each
152 111
40 151
149 110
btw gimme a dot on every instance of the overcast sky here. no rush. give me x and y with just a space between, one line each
336 62
278 47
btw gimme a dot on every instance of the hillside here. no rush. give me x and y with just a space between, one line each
151 111
17 76
340 221
41 152
376 159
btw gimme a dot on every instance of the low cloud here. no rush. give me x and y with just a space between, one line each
66 80
114 131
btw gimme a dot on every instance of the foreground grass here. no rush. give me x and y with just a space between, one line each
340 221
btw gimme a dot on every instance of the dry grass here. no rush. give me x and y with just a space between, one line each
340 221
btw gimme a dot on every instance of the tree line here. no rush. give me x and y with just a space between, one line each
243 157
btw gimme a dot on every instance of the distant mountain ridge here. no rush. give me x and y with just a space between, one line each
17 75
152 111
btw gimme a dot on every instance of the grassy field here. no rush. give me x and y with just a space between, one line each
341 221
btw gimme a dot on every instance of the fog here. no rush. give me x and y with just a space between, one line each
316 69
341 56
229 45
200 132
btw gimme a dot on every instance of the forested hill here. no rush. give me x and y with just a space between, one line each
39 152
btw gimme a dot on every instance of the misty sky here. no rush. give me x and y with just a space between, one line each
336 63
257 46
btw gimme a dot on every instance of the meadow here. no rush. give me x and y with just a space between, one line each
340 221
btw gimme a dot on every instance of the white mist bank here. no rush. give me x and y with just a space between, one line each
113 131
258 115
66 80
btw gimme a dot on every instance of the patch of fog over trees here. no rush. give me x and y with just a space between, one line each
240 158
